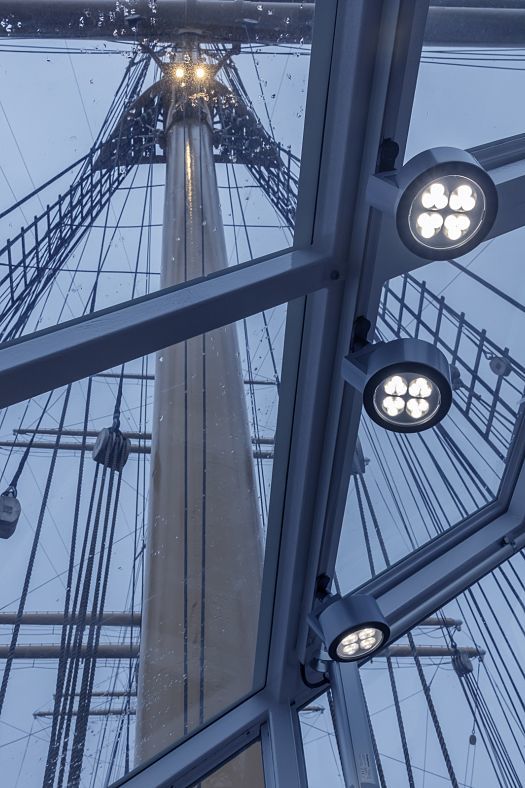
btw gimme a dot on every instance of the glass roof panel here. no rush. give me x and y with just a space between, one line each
106 106
465 664
185 523
247 767
467 96
321 752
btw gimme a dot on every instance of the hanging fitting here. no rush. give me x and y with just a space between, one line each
10 511
111 448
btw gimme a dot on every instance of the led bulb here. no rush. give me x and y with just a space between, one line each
464 191
395 385
417 408
420 387
468 203
455 202
393 406
368 643
347 649
200 72
369 632
179 72
436 189
352 638
434 197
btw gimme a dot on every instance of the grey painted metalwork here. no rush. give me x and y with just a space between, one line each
82 347
372 56
352 728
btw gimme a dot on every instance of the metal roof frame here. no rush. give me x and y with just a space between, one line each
364 67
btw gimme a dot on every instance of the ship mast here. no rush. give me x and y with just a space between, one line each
203 546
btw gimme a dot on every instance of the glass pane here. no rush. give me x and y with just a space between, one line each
466 96
321 753
458 702
245 769
179 161
95 542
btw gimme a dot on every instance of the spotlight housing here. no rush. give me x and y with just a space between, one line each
443 201
352 627
406 384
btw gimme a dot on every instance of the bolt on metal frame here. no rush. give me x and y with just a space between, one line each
364 65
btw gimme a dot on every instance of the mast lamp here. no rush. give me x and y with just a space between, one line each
196 72
444 203
406 384
352 627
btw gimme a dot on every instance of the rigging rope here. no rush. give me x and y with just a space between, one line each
400 723
32 556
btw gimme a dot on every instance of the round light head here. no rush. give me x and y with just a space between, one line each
409 386
447 207
200 72
353 627
359 643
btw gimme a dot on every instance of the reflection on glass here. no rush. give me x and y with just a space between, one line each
321 754
243 770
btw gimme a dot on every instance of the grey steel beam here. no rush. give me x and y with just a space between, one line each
205 750
352 726
82 347
223 20
497 153
510 183
372 99
414 588
283 756
459 23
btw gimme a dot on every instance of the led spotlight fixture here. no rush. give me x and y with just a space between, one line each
443 201
352 627
406 383
180 72
200 71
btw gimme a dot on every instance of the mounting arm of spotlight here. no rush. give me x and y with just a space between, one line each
405 384
443 202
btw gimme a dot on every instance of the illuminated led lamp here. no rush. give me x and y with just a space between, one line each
443 201
353 628
406 384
